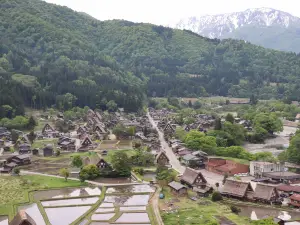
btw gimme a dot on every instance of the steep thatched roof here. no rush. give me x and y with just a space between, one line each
264 192
22 218
236 188
189 176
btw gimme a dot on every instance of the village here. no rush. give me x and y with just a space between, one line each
98 148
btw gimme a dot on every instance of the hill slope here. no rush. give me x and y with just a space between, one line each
263 26
95 62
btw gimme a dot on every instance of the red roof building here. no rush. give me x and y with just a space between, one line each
222 166
295 200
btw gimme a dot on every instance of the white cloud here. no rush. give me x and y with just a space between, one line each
170 11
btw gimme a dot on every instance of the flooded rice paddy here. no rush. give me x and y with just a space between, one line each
106 205
64 206
65 215
133 218
103 217
133 200
33 211
131 189
133 208
257 213
3 220
114 180
65 202
67 193
105 210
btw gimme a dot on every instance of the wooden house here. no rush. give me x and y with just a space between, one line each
47 128
162 159
48 150
102 164
22 218
265 193
82 130
24 148
100 128
193 178
86 143
177 188
20 160
223 166
169 128
187 128
237 189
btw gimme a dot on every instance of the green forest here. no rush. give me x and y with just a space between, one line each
52 55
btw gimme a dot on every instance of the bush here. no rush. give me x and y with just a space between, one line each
16 171
216 196
139 170
57 153
235 209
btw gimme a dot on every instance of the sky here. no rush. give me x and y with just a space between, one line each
165 12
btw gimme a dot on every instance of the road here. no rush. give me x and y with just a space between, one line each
155 207
172 157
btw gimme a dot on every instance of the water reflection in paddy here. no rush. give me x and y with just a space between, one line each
65 215
67 193
133 208
34 212
3 220
104 217
131 189
256 213
133 218
133 200
76 201
105 210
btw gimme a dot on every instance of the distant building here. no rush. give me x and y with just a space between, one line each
258 168
24 149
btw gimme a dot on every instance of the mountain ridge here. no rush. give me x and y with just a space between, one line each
231 25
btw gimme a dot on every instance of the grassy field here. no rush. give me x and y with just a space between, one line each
14 190
111 152
42 143
203 211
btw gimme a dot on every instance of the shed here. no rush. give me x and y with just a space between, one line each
177 188
48 150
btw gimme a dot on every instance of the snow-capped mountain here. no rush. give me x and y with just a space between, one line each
221 26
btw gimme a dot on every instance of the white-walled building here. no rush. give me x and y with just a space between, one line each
258 168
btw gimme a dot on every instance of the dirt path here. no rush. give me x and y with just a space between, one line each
172 157
155 206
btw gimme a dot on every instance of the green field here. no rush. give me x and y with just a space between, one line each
15 189
202 211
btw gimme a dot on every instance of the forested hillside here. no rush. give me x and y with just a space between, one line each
53 55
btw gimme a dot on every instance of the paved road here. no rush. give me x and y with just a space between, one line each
172 157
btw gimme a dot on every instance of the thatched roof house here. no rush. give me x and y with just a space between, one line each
162 159
237 188
22 218
193 177
265 193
